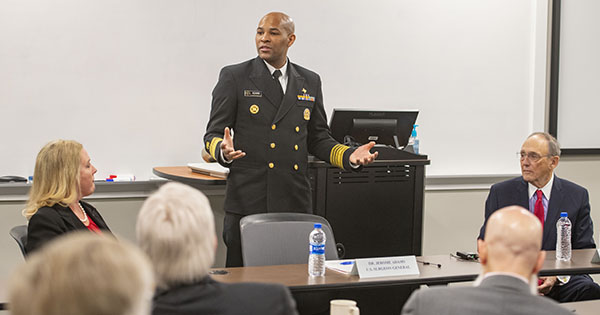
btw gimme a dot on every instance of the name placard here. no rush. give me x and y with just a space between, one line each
596 258
386 266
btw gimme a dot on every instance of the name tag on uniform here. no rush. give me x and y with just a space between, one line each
252 93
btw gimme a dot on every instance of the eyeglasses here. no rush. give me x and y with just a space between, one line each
531 156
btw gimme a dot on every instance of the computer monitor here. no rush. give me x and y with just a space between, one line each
357 127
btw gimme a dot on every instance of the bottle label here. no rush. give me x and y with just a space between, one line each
317 249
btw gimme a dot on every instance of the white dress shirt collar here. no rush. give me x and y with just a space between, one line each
546 189
272 69
283 79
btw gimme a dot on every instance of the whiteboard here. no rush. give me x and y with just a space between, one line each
578 99
131 80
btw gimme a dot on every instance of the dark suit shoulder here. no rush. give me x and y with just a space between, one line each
510 184
260 288
569 185
44 225
274 298
212 297
240 67
306 73
47 213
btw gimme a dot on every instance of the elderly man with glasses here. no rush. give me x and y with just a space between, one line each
546 196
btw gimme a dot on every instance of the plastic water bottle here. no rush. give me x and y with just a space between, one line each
563 238
413 141
316 257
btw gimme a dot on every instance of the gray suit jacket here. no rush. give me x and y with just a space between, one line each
502 295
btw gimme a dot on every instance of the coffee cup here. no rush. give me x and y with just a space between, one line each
343 307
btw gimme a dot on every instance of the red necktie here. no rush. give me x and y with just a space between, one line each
538 209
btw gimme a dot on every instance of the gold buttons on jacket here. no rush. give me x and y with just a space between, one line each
272 145
296 147
271 165
297 128
296 167
273 127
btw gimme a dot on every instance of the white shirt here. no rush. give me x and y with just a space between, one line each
546 189
283 79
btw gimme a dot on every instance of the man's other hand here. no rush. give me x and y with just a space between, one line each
547 284
362 155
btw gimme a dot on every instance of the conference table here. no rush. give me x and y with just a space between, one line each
583 308
452 269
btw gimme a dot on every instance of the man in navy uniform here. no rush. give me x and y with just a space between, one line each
546 196
275 110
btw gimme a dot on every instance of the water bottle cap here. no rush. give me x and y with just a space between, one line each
564 214
318 225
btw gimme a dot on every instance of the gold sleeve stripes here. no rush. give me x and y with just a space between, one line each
212 147
336 157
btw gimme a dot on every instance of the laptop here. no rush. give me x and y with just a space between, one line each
210 169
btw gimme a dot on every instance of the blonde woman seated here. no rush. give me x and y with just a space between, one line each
175 227
83 273
63 175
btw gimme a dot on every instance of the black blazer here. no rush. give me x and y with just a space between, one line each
208 296
565 197
277 138
50 222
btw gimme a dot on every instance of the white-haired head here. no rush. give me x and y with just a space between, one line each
176 229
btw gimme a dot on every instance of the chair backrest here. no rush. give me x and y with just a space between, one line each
281 238
19 233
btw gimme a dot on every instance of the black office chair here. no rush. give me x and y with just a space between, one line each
282 238
19 233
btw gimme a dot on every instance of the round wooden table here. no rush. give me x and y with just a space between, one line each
184 174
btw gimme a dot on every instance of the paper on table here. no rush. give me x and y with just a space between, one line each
343 266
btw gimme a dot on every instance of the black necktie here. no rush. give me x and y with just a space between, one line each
279 97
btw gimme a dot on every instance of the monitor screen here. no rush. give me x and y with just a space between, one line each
357 127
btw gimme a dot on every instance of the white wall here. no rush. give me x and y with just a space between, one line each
578 98
132 80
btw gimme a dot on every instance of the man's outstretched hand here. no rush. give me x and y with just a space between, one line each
362 155
229 152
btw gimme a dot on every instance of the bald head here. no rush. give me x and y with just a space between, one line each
513 239
274 35
282 19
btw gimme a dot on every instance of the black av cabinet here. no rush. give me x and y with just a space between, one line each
377 211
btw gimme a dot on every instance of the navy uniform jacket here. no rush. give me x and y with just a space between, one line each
277 139
565 197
